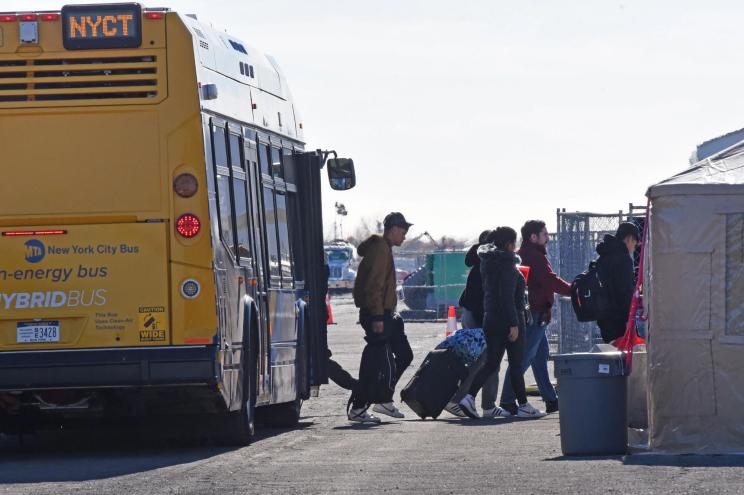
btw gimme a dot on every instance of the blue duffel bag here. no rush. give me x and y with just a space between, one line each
467 344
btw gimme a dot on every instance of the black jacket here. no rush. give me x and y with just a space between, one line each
472 296
503 287
616 271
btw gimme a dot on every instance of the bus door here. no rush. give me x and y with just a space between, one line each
257 283
308 165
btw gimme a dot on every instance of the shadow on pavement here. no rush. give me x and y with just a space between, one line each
487 421
100 453
661 460
479 421
684 460
361 426
618 458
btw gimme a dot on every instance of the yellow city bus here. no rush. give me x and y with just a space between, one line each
160 224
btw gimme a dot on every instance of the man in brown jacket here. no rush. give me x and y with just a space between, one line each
374 295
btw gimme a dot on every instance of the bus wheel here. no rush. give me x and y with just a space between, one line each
237 428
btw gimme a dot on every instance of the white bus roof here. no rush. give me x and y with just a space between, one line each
233 65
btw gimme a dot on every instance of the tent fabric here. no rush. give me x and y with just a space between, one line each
695 294
721 174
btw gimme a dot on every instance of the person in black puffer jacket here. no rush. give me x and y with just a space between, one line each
615 266
504 306
471 300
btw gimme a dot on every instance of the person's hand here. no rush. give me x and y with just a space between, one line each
513 334
377 327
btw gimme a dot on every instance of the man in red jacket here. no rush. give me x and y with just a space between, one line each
542 286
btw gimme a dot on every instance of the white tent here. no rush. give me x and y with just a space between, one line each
695 294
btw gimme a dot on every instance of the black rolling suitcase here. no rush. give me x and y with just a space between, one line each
434 383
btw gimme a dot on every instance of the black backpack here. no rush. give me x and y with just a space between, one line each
590 296
377 373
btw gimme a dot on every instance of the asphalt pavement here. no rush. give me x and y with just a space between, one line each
327 454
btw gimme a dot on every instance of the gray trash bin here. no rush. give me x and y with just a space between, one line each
593 403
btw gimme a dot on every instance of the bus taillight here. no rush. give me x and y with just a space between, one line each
20 233
188 225
49 17
154 16
28 17
8 18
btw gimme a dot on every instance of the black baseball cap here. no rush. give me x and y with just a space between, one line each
628 229
396 219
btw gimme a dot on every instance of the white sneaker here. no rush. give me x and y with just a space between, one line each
467 405
496 412
388 409
526 410
362 416
454 409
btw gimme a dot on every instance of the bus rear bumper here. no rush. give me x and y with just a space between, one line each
107 368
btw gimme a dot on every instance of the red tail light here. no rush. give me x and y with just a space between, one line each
154 16
8 18
19 233
188 225
50 17
28 17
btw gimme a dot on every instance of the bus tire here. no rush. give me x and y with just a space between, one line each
238 428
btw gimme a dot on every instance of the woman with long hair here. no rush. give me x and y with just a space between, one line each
504 306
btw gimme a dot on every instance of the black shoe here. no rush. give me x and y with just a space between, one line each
551 406
510 408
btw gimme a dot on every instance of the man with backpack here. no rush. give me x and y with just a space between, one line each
542 285
616 266
605 291
387 353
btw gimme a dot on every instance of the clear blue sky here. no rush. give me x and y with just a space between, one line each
466 115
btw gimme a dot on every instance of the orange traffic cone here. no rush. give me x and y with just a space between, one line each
330 311
451 322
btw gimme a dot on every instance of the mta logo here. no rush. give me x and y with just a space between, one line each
35 251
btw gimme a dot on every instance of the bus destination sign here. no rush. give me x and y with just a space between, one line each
90 27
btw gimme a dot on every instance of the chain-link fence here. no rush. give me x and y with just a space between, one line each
574 248
553 330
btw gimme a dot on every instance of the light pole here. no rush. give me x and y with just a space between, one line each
338 226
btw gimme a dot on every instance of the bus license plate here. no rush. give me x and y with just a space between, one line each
35 332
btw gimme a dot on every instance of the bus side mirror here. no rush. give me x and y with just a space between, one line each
341 173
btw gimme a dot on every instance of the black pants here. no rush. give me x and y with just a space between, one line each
497 342
395 335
